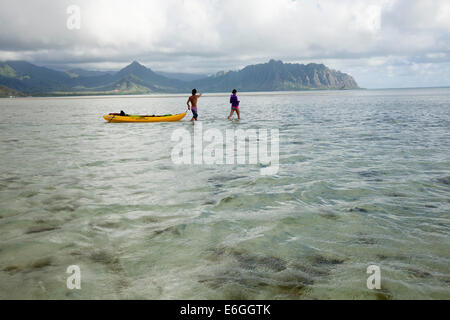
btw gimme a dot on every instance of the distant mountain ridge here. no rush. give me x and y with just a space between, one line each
279 76
75 73
137 79
182 76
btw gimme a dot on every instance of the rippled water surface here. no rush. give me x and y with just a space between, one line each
364 179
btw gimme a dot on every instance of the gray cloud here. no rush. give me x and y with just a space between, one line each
371 39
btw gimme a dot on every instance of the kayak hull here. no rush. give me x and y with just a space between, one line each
116 118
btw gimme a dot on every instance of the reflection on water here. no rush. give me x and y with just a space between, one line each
364 179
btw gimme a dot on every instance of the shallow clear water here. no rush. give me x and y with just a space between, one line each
364 179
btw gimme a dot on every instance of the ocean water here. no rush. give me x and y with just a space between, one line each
364 179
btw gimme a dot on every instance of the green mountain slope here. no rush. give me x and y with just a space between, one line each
8 92
30 78
141 75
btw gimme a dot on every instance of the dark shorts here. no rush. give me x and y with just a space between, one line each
194 113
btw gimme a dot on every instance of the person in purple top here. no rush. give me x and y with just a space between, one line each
234 104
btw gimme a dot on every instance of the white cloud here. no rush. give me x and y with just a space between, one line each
209 35
436 55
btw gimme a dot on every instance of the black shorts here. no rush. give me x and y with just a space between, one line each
194 114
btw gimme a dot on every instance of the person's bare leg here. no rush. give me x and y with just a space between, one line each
231 114
238 113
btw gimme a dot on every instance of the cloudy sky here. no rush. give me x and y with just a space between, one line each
382 43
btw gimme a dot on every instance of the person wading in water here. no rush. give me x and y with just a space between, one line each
193 107
234 105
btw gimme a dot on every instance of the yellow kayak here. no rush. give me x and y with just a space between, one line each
137 118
